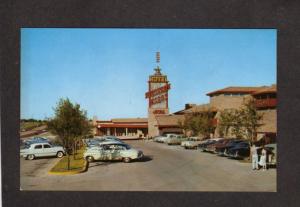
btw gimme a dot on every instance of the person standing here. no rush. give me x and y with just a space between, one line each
263 159
254 157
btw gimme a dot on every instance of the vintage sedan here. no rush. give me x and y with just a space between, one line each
159 139
239 151
163 138
99 144
108 138
221 143
113 151
203 146
100 140
175 139
222 150
31 151
272 153
192 143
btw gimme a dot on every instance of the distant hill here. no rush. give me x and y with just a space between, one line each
33 131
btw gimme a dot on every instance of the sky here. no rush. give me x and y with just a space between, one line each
106 70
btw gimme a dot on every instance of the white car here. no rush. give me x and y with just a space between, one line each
163 138
192 143
174 139
100 140
31 151
159 138
113 151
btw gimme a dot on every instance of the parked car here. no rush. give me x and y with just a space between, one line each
271 153
114 151
220 143
98 140
99 144
240 150
208 142
31 151
272 156
36 140
222 150
155 138
163 138
175 139
110 137
192 143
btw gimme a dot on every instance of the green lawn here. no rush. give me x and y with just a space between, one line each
77 164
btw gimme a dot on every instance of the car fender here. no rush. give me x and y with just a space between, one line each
133 154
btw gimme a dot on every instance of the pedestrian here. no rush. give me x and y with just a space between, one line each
263 159
254 157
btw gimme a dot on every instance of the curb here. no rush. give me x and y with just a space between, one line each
84 169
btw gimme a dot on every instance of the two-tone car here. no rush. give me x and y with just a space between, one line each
113 151
100 140
222 150
221 143
192 143
272 154
239 151
33 150
203 146
174 139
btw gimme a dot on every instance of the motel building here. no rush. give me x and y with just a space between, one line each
160 121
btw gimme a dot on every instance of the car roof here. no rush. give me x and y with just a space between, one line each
110 142
39 143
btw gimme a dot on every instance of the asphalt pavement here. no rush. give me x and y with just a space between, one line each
164 168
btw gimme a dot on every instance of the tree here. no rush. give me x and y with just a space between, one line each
226 120
238 124
251 119
199 123
242 122
70 123
231 121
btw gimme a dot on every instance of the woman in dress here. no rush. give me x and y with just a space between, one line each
263 159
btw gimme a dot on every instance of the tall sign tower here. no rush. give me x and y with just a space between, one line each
158 87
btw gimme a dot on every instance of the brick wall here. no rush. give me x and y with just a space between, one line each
153 130
226 102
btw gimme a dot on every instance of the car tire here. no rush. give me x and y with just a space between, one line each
127 159
90 158
59 154
30 157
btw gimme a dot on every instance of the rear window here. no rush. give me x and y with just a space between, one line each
38 147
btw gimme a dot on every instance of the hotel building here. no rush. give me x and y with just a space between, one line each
160 121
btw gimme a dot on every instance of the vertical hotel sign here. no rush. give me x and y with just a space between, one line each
158 87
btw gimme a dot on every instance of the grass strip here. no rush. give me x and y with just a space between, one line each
76 165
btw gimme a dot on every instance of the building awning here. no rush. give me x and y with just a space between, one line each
171 130
122 125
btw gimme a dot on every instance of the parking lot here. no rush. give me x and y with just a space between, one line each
164 168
